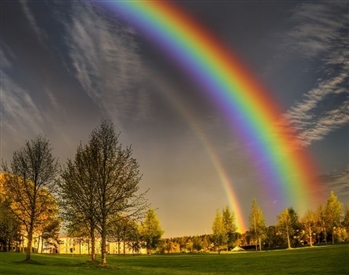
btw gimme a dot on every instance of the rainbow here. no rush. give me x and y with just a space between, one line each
287 173
217 165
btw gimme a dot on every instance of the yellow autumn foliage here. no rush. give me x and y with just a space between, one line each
21 195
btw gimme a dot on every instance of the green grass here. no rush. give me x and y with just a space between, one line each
317 260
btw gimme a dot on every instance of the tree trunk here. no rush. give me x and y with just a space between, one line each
288 239
38 245
103 248
93 246
255 230
332 236
260 243
29 246
42 244
9 245
310 237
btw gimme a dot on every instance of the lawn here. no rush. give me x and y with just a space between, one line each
318 260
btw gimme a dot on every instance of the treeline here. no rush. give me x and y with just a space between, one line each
329 223
96 195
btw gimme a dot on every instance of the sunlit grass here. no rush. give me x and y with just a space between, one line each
318 260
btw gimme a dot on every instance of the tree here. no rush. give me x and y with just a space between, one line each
28 178
322 222
219 236
273 238
110 175
151 231
126 230
228 219
309 221
9 224
345 222
78 197
288 223
257 224
50 233
333 211
197 243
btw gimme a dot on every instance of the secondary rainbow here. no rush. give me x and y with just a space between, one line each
286 173
213 157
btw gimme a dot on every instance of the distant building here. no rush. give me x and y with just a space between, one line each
75 245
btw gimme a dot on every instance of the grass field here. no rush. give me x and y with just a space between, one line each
317 260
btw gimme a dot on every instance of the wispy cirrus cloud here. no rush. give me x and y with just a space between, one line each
337 182
31 19
106 62
321 31
19 112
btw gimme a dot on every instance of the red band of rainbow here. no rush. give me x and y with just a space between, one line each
248 108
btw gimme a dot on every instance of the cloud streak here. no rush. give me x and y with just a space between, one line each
32 21
320 32
19 113
106 63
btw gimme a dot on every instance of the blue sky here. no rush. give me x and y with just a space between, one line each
65 65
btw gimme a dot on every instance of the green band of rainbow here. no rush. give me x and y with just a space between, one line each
286 173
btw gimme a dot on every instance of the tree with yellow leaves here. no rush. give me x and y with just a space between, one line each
28 181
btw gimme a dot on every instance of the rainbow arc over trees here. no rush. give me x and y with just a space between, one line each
286 171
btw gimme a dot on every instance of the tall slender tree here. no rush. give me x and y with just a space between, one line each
333 211
345 221
228 219
288 223
32 171
309 221
257 224
322 222
78 192
219 235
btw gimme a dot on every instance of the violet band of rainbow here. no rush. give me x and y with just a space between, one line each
286 173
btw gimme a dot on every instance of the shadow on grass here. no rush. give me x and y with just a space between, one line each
29 262
87 264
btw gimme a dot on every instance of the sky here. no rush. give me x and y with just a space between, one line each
65 65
